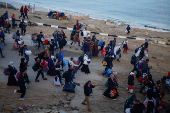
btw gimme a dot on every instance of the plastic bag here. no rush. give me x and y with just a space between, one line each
65 63
57 83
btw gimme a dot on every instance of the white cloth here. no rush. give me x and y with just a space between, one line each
57 83
86 59
116 49
125 42
84 33
72 63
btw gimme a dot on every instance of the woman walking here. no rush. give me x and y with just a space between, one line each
86 62
11 79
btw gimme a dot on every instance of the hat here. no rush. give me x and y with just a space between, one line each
132 73
41 32
147 59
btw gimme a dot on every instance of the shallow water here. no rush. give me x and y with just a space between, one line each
153 13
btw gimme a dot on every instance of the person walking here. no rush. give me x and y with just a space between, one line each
90 49
11 78
21 81
75 41
25 55
39 69
23 26
25 12
128 29
85 67
125 45
113 44
13 21
1 41
85 33
87 91
39 37
22 12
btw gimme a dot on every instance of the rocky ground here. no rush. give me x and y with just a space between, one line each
41 97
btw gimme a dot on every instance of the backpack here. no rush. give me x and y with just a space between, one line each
81 58
139 65
82 33
6 71
34 67
65 74
58 55
133 59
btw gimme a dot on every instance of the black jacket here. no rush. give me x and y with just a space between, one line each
131 80
138 108
86 89
21 81
111 84
39 37
38 66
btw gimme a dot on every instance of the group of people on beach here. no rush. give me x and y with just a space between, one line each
53 65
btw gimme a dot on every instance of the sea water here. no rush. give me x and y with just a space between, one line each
150 13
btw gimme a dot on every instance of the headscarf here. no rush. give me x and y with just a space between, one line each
52 57
112 76
11 64
132 73
115 73
13 16
119 44
25 6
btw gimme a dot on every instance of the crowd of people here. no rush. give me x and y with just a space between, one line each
48 62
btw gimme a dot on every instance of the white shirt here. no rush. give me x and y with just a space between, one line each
86 59
84 33
72 63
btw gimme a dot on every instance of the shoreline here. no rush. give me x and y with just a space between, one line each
115 21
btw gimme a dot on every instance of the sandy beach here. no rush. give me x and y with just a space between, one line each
42 95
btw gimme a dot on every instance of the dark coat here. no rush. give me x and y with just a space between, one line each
131 80
38 65
22 10
23 65
52 45
86 88
138 108
86 47
21 81
39 36
11 77
109 61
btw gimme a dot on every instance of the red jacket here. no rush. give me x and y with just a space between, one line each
25 10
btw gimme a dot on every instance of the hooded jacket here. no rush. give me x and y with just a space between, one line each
129 101
86 88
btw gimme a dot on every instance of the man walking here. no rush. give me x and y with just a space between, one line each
85 33
39 37
22 12
87 91
23 26
22 80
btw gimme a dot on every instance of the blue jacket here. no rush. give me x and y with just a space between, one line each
6 16
2 34
86 47
61 56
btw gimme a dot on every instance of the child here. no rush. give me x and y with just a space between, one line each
57 81
131 79
108 72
